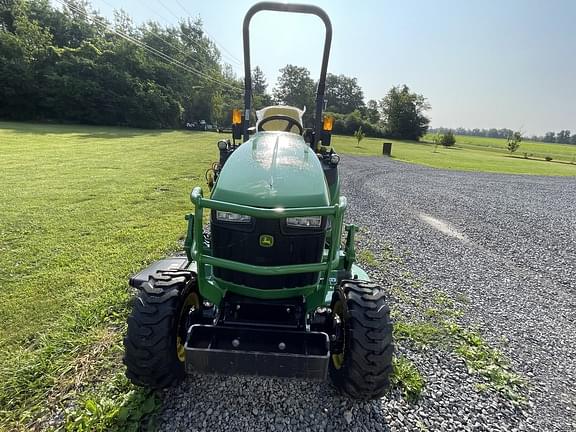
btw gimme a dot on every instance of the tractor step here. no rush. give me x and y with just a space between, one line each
175 263
256 351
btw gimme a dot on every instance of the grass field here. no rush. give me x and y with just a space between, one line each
82 209
533 149
464 157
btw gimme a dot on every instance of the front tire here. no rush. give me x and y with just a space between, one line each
154 343
361 362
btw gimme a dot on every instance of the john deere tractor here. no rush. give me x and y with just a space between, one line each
268 287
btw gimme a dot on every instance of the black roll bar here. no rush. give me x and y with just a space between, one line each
285 7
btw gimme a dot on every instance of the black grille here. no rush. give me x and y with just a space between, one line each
241 242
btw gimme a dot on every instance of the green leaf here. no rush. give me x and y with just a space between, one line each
91 406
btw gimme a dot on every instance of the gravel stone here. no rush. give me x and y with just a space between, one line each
503 247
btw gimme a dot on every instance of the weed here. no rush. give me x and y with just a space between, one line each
368 258
408 378
420 332
441 299
127 410
438 329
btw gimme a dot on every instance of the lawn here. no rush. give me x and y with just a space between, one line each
82 209
464 157
533 149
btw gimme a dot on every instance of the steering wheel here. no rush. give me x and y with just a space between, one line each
290 122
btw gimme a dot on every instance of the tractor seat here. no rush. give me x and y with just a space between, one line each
280 125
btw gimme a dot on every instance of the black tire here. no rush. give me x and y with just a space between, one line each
156 327
362 365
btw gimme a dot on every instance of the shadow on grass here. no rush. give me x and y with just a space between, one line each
534 159
80 130
121 134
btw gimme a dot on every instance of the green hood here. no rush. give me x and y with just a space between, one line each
273 169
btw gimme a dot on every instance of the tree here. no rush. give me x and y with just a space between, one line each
448 139
296 88
514 141
550 137
259 85
359 135
372 112
343 94
563 137
436 139
403 113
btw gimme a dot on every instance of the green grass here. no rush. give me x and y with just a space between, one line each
466 157
438 328
367 257
408 378
82 209
564 152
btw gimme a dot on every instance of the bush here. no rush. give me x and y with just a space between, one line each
548 158
448 139
347 124
514 142
359 135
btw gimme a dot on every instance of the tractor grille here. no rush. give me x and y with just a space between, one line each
241 242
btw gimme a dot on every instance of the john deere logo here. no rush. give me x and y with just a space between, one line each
266 240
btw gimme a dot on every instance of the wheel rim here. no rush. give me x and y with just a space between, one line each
190 302
338 313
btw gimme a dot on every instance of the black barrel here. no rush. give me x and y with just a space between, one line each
387 149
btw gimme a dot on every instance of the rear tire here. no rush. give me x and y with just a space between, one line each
361 363
157 329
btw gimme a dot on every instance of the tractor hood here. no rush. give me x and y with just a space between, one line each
273 169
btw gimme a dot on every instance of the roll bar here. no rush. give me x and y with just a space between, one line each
284 7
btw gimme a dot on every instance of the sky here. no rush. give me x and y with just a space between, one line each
489 63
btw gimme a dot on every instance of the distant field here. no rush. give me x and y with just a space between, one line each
536 149
467 157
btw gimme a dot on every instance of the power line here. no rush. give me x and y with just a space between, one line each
178 49
230 55
152 50
188 38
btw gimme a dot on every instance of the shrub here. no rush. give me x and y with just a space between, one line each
359 135
448 139
514 142
548 158
347 124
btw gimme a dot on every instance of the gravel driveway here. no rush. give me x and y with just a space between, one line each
504 245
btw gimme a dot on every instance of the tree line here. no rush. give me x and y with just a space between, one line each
71 64
400 114
561 137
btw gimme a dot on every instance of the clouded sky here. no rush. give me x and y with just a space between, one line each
489 63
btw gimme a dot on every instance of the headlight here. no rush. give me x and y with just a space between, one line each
334 159
304 222
225 216
222 145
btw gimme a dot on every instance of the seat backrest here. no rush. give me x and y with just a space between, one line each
279 125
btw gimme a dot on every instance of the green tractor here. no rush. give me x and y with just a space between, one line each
270 288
